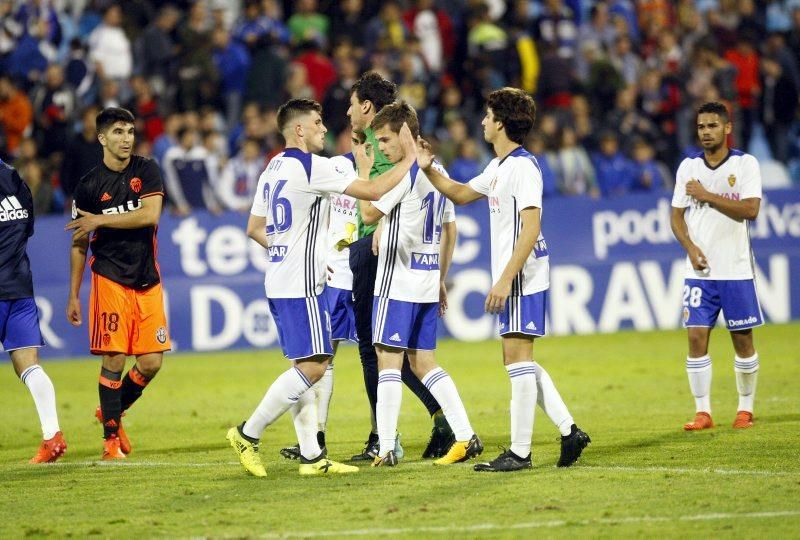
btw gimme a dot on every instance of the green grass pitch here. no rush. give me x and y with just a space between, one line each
641 476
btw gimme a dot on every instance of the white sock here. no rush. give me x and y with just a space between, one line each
304 415
44 397
323 389
284 392
550 401
523 406
746 377
439 383
387 409
699 371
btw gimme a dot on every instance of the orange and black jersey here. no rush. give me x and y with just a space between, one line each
126 256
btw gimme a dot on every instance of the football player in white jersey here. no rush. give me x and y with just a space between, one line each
520 270
409 292
342 231
289 219
717 194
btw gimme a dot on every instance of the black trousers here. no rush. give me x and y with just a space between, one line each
365 268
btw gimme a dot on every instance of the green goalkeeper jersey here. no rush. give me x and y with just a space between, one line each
380 166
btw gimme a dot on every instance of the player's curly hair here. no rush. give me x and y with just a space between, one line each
394 115
714 107
371 86
110 116
515 109
294 108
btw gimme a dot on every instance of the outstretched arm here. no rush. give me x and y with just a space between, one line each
372 190
456 192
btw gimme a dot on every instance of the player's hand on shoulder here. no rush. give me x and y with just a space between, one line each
365 157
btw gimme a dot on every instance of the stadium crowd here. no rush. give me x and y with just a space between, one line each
616 82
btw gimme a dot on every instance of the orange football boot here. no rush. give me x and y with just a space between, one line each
51 449
111 449
124 442
744 420
702 420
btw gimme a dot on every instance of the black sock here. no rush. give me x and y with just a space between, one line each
419 389
109 388
321 439
240 427
133 385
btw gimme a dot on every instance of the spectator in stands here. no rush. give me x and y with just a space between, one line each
649 174
197 75
41 189
337 98
350 22
83 152
110 49
16 114
629 121
156 50
236 185
434 29
536 146
186 175
387 29
232 61
308 24
778 108
80 73
615 172
556 28
320 71
55 105
146 110
467 163
258 29
31 53
10 31
574 171
169 138
744 58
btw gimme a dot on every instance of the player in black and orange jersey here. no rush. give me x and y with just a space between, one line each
118 204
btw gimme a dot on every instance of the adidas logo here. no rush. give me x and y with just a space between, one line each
395 337
105 197
12 210
531 326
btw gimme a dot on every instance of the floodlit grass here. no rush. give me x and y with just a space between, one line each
641 476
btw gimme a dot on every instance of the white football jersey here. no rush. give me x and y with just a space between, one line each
343 228
294 195
512 185
408 261
724 241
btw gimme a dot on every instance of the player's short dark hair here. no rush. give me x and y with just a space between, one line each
294 108
110 116
714 107
371 86
394 115
515 109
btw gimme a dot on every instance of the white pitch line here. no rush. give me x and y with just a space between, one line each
482 527
420 464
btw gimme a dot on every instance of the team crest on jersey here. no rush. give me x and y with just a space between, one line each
136 184
685 314
731 180
106 340
161 334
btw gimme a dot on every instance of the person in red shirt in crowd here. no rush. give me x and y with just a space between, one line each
748 84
